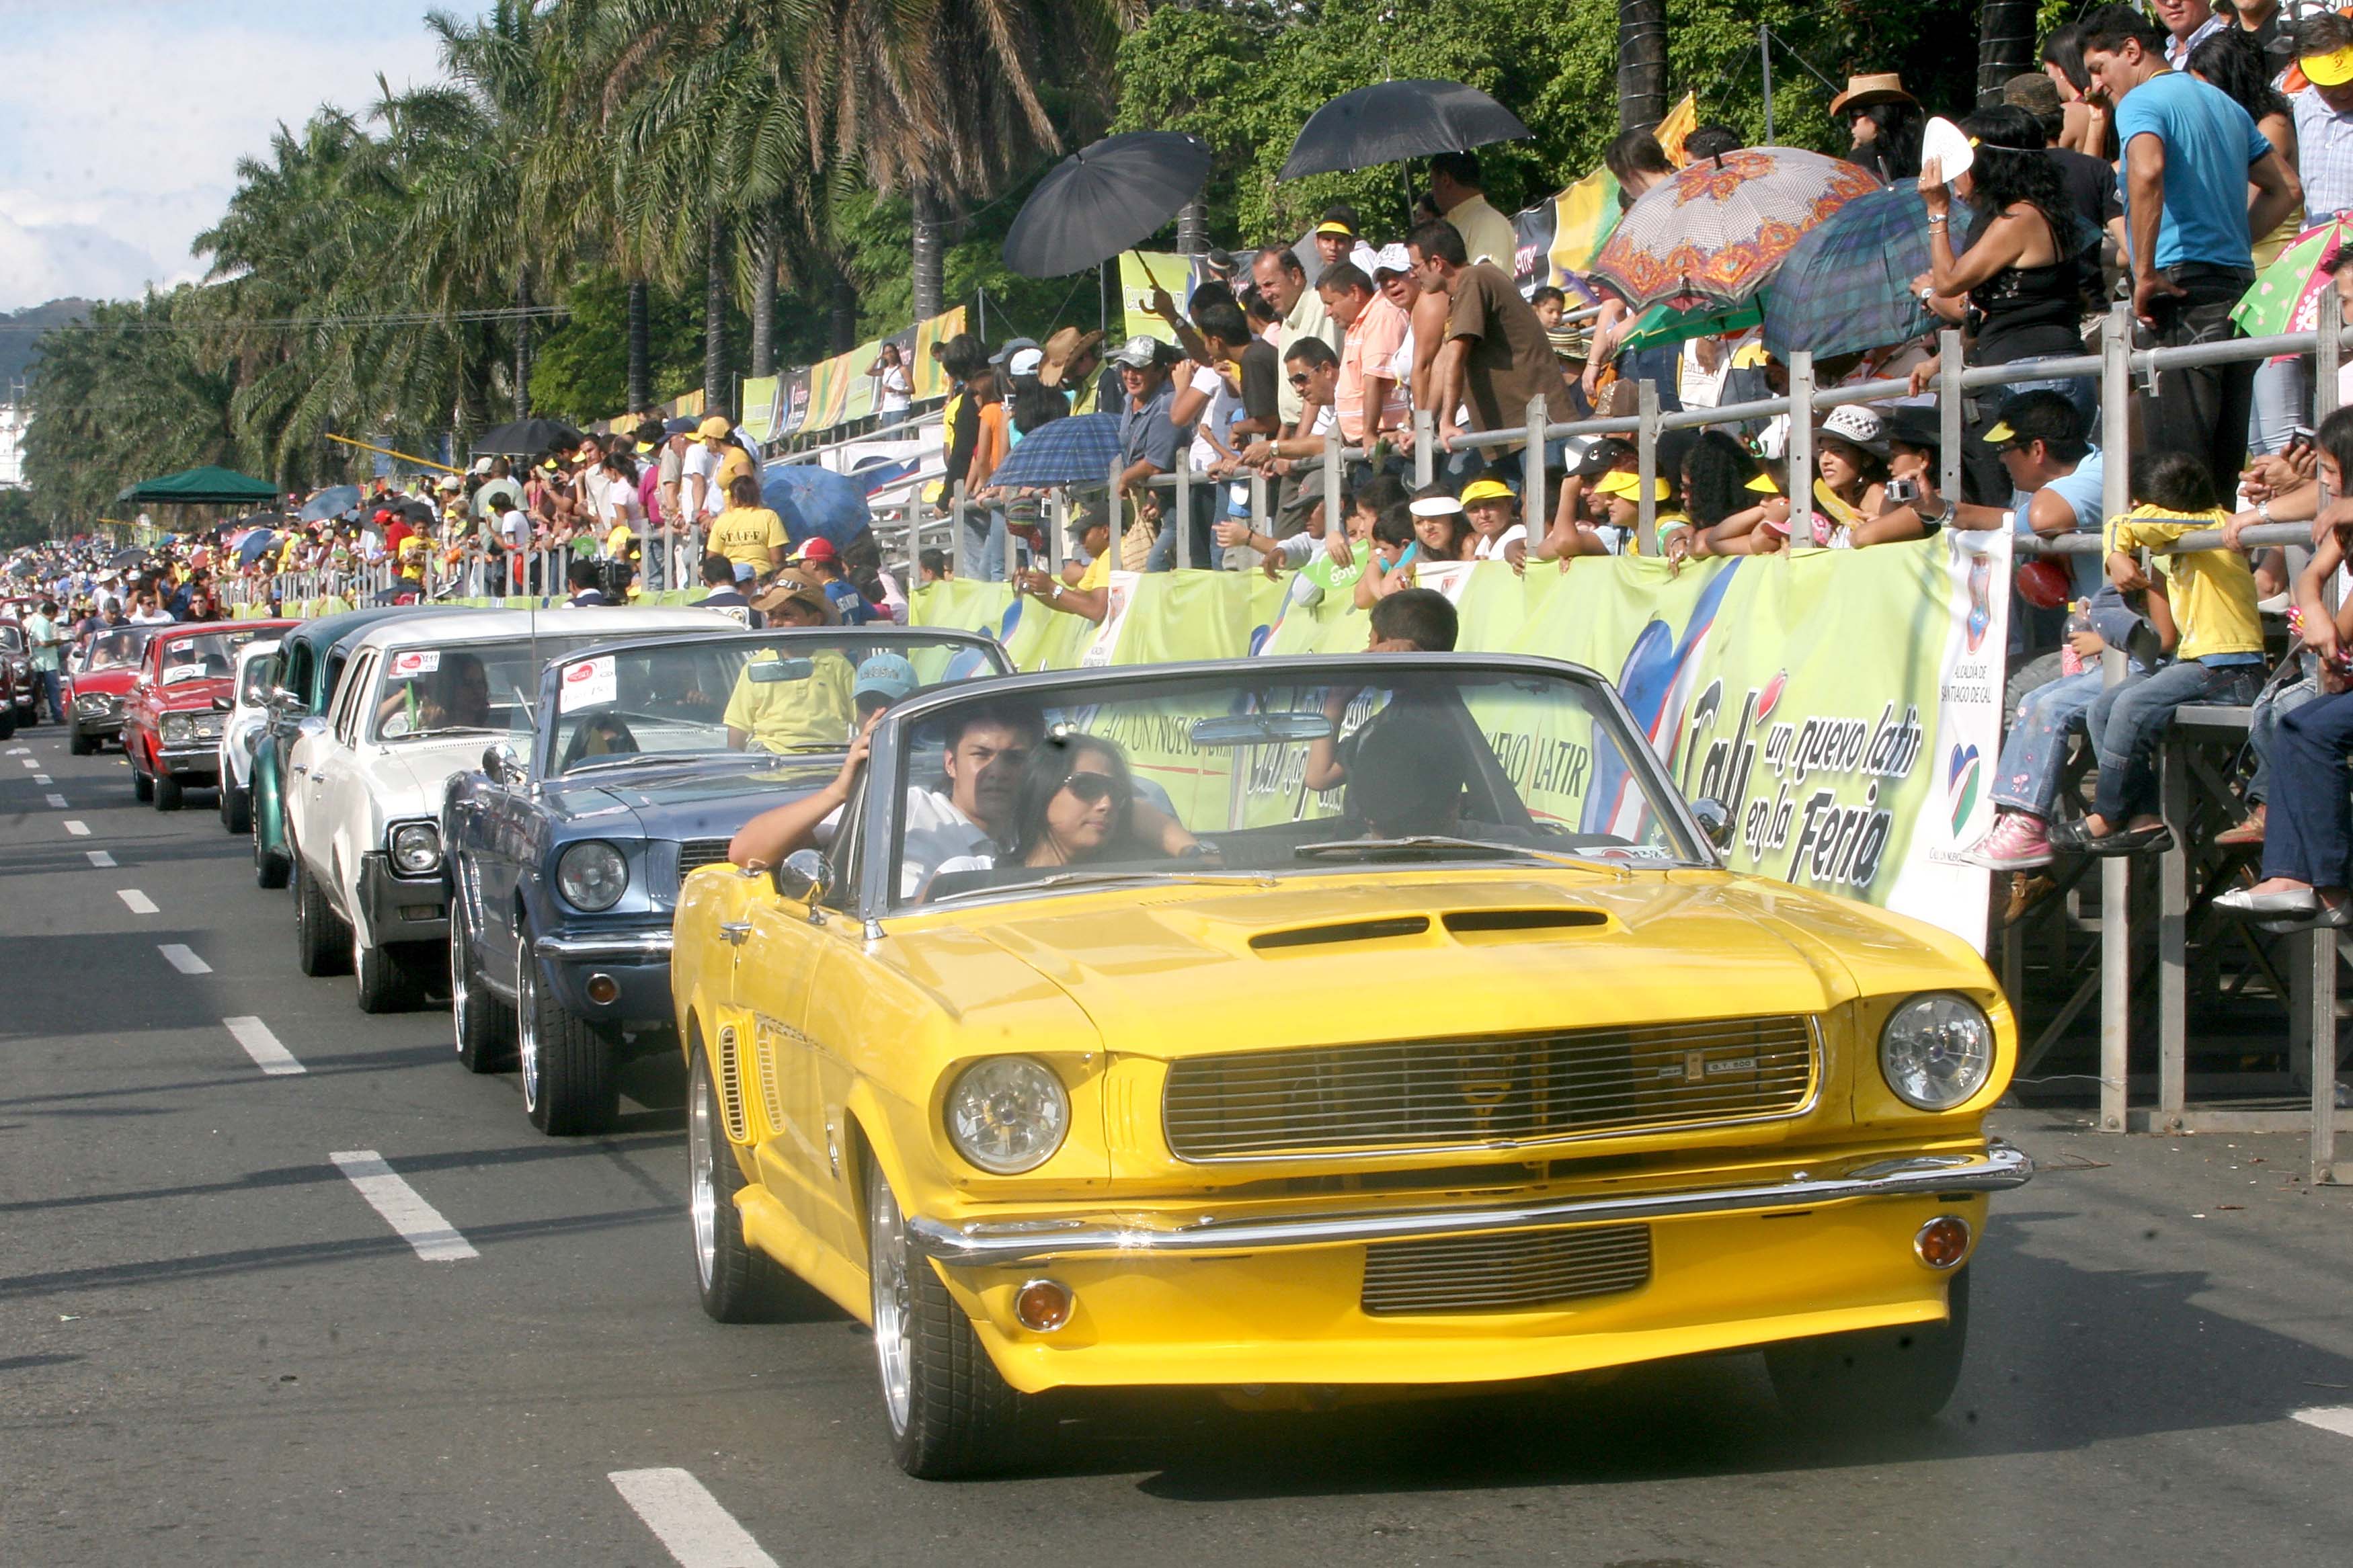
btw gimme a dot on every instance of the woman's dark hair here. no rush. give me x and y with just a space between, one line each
1869 464
2227 58
619 462
1715 475
1674 450
1894 152
2064 49
962 354
2000 176
982 385
1378 494
2174 480
1206 293
2334 438
1036 405
861 559
1051 762
1636 152
743 490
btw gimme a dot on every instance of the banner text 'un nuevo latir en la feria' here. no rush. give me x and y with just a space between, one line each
1845 705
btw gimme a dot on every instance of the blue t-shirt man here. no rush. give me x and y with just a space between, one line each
2209 143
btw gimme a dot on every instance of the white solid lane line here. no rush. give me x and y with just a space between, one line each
689 1520
99 858
2336 1418
141 904
57 800
78 829
182 957
419 1223
262 1046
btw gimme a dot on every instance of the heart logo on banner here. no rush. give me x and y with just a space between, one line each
1961 775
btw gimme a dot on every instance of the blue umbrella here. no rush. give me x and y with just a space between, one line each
250 548
1073 451
816 502
1847 285
329 501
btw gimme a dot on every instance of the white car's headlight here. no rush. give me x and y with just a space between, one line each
1936 1050
591 876
1007 1115
417 848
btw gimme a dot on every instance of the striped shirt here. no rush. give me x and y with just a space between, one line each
2324 157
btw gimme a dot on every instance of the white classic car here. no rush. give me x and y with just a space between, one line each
249 712
420 701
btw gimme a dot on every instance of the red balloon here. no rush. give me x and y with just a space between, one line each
2045 584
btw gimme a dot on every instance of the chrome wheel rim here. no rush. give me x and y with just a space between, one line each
526 1025
701 1182
458 988
895 1351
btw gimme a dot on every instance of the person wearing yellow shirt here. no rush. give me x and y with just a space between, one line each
748 533
1083 591
2203 603
812 713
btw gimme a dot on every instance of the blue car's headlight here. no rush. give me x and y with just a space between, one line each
592 876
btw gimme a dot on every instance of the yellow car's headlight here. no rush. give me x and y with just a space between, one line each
1936 1050
1007 1115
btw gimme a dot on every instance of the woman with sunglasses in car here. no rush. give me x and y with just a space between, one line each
1075 804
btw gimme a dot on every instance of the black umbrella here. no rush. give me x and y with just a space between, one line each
1395 120
526 439
1104 199
123 560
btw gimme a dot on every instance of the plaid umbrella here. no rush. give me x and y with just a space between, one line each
1718 230
1846 285
2287 295
1073 451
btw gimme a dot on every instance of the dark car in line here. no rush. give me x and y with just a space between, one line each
648 757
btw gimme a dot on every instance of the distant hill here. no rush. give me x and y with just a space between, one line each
20 333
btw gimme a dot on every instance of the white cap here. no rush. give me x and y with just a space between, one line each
482 465
1025 362
1389 259
1435 506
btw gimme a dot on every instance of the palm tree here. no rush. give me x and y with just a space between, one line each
2005 46
1642 63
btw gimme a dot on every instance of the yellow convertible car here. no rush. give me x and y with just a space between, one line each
1303 1024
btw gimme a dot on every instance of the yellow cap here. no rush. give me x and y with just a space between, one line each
1627 483
2334 69
1763 485
714 428
1333 225
2000 433
1478 491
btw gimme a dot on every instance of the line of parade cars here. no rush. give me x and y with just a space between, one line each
1291 1045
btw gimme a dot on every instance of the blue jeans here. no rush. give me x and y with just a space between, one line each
2305 830
46 683
1206 554
2263 731
2283 402
985 544
2126 722
2028 779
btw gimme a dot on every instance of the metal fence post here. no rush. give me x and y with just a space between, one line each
1058 514
1532 462
2116 871
1799 449
1332 479
1646 468
1118 515
2320 958
1425 449
1184 519
1260 522
1949 409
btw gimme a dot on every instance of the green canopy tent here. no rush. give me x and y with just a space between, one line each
200 486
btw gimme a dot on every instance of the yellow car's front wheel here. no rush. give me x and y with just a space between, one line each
951 1414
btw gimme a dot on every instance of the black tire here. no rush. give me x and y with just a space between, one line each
142 788
322 942
236 809
952 1413
485 1026
387 983
8 721
1879 1379
738 1282
170 793
80 744
571 1080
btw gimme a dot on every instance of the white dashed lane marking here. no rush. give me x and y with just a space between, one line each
99 858
688 1520
2336 1418
78 829
262 1046
182 957
139 903
32 762
419 1223
57 800
40 778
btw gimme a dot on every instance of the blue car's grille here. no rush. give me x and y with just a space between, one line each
693 852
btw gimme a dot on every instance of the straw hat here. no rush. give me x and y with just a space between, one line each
1863 92
1066 345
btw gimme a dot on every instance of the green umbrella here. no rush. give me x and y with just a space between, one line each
1662 324
2287 295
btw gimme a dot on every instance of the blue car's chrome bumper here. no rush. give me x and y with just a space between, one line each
636 962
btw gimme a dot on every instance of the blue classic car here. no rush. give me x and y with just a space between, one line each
311 660
646 758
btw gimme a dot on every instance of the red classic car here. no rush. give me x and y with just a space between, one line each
171 721
99 671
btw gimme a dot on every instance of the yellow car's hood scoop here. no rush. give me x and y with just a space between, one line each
1477 925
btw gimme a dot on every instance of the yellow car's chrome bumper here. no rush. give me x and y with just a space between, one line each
1013 1242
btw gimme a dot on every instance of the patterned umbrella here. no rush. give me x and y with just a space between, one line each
2287 295
1073 451
1718 229
1846 285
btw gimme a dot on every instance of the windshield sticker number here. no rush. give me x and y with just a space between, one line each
414 662
588 683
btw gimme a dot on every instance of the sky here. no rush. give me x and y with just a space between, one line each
121 122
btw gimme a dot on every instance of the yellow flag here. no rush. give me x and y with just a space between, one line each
1679 122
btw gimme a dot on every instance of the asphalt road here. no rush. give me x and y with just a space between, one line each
213 1348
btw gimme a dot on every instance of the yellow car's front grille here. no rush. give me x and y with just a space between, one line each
1421 1095
1517 1272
